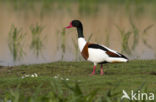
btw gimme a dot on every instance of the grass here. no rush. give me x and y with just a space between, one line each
76 50
85 7
63 42
88 7
15 42
144 35
135 34
90 37
51 82
37 41
107 38
125 35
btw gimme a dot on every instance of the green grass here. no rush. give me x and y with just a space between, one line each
76 50
125 35
127 76
37 39
63 42
85 7
16 42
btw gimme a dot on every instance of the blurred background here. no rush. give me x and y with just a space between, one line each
32 31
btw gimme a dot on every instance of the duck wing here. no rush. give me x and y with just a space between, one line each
108 51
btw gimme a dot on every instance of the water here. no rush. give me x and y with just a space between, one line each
100 24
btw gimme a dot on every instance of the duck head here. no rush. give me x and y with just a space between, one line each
75 23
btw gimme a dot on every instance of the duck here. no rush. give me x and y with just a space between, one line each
95 53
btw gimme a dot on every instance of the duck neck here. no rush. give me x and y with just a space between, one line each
81 39
81 43
80 32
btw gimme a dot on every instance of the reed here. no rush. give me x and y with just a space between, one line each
107 43
145 33
90 37
85 7
76 50
22 5
58 39
63 42
47 6
16 42
125 40
88 7
37 39
135 32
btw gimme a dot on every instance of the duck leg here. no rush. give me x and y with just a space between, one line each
93 73
101 73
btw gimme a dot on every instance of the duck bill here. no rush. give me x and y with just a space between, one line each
70 26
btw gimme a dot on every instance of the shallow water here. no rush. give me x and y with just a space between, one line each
101 24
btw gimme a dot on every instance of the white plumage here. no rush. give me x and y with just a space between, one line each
81 43
98 54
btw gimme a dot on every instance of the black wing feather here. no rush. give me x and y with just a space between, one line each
96 46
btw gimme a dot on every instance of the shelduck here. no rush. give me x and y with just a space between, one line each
96 53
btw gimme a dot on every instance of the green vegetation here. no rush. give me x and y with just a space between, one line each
135 32
15 42
63 42
136 36
88 7
107 38
125 40
76 50
90 37
85 7
37 41
70 81
144 35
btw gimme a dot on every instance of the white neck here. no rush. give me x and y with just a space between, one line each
81 43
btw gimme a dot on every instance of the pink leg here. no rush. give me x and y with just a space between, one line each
93 70
101 70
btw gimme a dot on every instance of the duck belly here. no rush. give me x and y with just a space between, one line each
100 56
97 55
116 60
